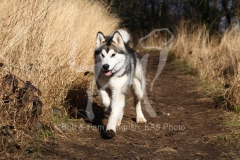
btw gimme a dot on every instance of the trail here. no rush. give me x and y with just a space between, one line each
187 126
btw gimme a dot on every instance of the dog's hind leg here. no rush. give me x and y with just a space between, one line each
138 95
120 119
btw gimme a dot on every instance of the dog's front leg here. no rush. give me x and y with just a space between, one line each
118 103
105 100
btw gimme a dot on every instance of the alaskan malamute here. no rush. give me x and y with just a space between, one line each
117 69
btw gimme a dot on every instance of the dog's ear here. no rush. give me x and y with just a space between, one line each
99 39
117 38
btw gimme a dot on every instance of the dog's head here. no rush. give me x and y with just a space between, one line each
110 51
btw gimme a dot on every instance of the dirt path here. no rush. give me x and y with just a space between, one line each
188 126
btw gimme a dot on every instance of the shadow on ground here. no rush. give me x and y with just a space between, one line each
77 100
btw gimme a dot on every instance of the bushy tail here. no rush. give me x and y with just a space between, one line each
125 35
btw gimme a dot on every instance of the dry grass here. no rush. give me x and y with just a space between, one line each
216 60
49 43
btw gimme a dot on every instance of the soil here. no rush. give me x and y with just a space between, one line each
187 126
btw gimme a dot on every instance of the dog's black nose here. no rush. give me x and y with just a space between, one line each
105 67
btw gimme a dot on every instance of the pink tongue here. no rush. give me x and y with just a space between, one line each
108 73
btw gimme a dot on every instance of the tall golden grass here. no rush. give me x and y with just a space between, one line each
46 41
215 59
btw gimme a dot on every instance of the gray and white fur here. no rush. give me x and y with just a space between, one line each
118 69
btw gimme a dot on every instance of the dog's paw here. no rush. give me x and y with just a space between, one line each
141 120
110 133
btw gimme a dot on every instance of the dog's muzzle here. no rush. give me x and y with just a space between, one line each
106 70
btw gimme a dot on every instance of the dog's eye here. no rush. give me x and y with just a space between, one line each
102 55
113 55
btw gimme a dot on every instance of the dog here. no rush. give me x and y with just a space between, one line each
117 69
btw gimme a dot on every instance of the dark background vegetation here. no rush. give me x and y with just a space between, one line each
141 16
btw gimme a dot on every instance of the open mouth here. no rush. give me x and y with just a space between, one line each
108 73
